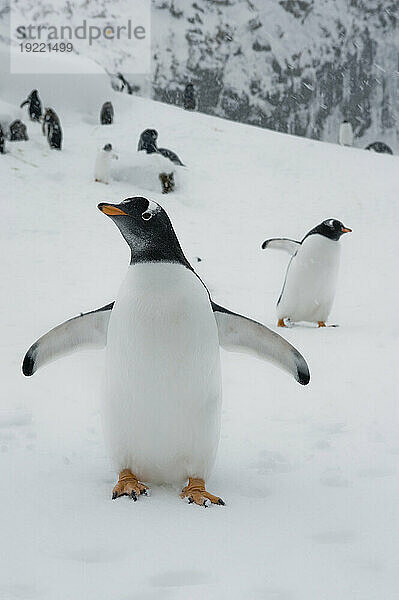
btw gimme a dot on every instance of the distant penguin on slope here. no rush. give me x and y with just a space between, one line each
54 131
35 105
18 132
102 168
346 134
162 399
2 141
148 144
379 147
49 115
310 282
107 114
189 101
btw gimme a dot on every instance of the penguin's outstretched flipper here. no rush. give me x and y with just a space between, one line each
87 330
171 155
240 334
290 246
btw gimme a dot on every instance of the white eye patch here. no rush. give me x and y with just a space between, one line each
330 223
152 209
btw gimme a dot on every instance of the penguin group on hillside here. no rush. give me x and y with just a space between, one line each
162 396
310 281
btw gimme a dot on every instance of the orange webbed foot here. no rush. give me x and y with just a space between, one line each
129 485
196 493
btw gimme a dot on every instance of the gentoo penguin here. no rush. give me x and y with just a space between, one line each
309 286
35 105
49 115
162 400
2 141
102 168
189 101
54 134
346 134
379 147
18 132
148 142
107 114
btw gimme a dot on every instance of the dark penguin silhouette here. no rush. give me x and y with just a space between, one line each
189 100
18 131
148 142
49 116
54 135
107 114
2 141
125 84
35 105
379 147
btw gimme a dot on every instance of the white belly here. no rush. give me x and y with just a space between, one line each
163 388
102 167
309 288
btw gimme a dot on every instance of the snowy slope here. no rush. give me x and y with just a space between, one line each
309 474
299 67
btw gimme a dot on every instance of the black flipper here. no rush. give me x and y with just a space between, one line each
87 330
171 155
290 246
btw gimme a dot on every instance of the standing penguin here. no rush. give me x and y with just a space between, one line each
189 101
310 282
107 114
162 400
18 132
2 141
35 105
346 134
49 116
54 134
102 168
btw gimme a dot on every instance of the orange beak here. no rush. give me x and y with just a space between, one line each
346 230
110 210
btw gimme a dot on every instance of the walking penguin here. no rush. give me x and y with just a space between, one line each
35 105
162 396
310 281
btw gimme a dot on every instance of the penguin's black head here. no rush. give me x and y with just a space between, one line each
108 147
147 229
148 141
331 228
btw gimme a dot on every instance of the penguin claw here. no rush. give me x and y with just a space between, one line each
129 485
195 493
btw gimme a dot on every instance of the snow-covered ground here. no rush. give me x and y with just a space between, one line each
309 474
